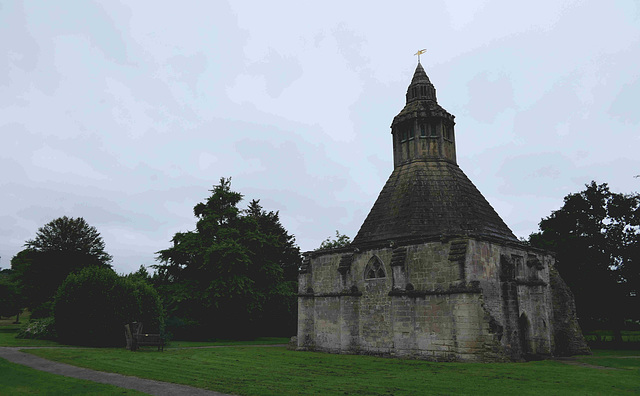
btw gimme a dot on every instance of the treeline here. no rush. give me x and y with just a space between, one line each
235 274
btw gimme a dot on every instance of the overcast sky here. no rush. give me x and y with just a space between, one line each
126 114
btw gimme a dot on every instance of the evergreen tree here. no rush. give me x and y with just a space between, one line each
235 274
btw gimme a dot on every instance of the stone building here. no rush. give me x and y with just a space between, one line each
434 272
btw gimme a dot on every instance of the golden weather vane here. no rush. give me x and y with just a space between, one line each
422 51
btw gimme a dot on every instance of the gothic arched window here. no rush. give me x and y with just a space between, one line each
374 269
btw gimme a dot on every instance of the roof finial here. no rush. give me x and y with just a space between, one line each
422 51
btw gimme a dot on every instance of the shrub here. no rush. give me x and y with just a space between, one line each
92 306
42 311
151 310
42 329
186 329
10 304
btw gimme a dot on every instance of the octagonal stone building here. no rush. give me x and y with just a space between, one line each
434 272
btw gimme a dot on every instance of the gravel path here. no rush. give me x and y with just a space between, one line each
124 381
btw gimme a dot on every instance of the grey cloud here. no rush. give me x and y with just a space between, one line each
539 174
489 96
626 103
279 72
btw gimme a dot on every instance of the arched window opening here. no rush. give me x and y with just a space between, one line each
423 131
374 269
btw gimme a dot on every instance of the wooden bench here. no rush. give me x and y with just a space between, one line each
136 338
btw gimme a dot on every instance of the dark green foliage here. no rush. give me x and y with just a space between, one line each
596 237
10 297
340 240
67 234
92 306
60 247
234 275
141 275
151 310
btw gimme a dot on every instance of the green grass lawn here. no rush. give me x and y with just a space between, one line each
257 341
622 359
16 379
247 370
8 338
277 371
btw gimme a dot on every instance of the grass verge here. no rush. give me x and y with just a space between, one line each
8 339
620 359
257 341
277 371
16 379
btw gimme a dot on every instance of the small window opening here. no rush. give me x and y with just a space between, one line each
411 133
433 131
375 269
423 131
404 135
448 132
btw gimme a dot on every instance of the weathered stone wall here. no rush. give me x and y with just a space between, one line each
517 296
567 333
457 299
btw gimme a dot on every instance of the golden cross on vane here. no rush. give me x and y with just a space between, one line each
422 51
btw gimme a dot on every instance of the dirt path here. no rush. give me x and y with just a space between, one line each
151 387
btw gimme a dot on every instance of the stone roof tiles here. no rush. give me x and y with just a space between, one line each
426 199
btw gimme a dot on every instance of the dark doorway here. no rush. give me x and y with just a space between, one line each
524 327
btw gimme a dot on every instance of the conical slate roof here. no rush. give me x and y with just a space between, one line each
427 196
427 199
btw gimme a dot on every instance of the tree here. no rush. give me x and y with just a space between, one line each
340 240
10 298
62 246
92 306
66 234
233 275
596 237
